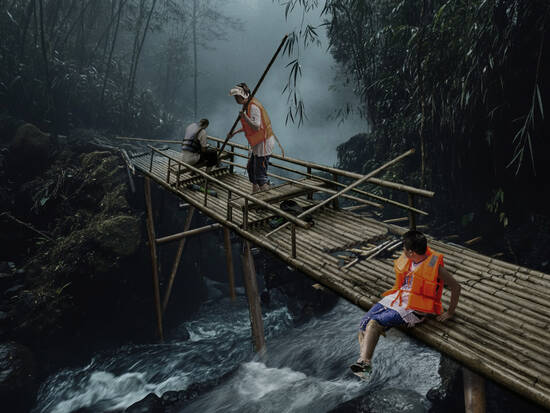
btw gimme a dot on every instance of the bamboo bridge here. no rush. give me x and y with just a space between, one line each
501 328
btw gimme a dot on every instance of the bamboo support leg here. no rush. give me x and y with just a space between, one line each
255 310
229 260
152 245
310 194
474 392
177 260
335 201
412 214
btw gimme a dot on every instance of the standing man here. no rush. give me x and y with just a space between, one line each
256 126
194 145
416 293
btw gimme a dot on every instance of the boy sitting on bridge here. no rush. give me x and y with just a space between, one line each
416 293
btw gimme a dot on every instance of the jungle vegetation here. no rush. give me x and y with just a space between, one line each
117 65
465 82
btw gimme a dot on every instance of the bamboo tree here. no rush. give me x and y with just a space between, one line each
195 64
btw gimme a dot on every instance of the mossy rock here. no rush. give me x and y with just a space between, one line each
120 234
115 201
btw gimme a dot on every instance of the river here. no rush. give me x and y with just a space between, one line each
305 369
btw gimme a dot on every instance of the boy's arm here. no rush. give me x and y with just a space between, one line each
454 286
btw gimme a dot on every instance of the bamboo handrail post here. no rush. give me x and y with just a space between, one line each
229 207
232 158
178 177
168 172
335 202
309 195
153 249
245 214
229 262
412 215
205 191
293 239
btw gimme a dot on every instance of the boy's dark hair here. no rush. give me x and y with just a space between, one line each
245 87
415 241
203 123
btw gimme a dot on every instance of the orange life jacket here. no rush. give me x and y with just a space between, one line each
255 137
426 288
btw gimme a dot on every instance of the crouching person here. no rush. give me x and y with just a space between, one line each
194 146
419 279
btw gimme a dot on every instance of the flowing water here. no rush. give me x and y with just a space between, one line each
305 370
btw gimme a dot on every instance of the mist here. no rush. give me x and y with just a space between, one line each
243 57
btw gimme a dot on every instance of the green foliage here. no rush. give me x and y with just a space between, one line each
67 63
463 81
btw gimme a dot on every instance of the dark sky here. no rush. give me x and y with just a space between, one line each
243 58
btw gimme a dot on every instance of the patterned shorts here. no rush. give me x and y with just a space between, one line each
386 317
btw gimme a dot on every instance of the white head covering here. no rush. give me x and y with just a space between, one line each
238 91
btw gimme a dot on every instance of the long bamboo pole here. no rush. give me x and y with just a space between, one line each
253 93
152 247
177 260
348 188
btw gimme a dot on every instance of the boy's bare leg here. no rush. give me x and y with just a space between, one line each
360 338
255 188
369 340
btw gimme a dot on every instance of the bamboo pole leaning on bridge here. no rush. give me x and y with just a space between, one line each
348 188
177 260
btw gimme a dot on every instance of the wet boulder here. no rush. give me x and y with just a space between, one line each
17 378
150 404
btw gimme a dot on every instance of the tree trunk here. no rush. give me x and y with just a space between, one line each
195 98
108 63
132 80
